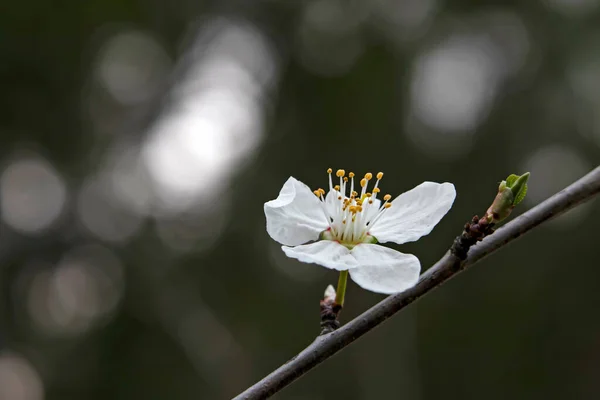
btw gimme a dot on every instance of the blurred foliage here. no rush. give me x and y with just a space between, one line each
143 288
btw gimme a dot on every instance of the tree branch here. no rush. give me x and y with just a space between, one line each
448 266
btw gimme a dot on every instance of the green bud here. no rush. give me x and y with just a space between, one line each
519 188
510 193
502 186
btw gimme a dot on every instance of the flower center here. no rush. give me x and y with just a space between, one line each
351 215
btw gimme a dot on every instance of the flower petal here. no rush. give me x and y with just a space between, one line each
296 215
371 209
327 253
413 214
384 270
332 204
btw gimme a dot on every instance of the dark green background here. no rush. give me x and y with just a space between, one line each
209 320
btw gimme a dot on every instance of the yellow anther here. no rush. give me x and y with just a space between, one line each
388 205
329 170
345 179
322 191
339 197
351 174
363 182
337 187
376 190
368 194
359 208
317 193
387 197
354 193
379 175
352 209
340 173
368 176
370 201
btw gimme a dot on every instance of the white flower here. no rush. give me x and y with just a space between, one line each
350 224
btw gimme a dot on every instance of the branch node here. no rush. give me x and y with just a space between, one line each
330 311
473 232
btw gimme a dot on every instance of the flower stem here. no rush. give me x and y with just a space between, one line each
340 293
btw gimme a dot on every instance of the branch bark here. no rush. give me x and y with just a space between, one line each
448 266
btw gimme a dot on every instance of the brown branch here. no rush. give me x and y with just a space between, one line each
448 266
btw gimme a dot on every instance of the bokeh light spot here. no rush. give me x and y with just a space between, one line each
454 84
215 121
131 66
552 169
32 195
19 380
86 285
102 214
328 39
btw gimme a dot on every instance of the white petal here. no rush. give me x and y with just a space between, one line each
332 203
413 214
371 209
324 252
384 270
296 215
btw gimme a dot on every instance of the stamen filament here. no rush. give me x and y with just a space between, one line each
350 216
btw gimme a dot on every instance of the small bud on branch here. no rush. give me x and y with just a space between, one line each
510 193
329 311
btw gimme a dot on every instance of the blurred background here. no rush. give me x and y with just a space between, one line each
140 139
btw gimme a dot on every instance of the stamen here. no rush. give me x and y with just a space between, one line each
363 183
348 220
377 217
379 176
340 174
